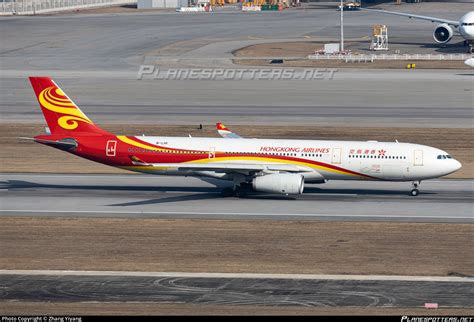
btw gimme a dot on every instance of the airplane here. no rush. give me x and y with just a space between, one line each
444 32
253 165
469 62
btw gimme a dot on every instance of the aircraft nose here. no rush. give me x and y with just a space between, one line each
451 167
456 165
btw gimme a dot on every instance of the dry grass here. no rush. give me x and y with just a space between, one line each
55 308
232 246
28 157
280 49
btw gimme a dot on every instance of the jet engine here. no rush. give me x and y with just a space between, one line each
283 183
443 33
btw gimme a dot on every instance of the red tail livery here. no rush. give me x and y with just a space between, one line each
60 112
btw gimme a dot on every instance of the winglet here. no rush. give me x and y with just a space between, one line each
225 132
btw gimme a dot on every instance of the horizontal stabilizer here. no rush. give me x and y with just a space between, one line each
64 144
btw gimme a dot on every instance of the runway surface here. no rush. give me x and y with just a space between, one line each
142 196
397 98
234 291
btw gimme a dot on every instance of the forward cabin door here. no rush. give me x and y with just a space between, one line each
418 157
212 153
336 155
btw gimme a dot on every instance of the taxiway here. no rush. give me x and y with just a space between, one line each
234 291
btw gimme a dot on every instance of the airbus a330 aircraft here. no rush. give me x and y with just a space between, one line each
444 32
262 165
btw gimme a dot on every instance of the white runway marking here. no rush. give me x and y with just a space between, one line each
243 275
6 211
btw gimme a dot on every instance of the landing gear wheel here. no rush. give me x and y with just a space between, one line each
414 192
227 192
240 192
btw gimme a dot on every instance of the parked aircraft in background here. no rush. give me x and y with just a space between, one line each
444 32
262 165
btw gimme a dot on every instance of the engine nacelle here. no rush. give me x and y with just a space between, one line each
443 33
282 183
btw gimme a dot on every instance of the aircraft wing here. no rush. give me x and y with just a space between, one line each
225 132
409 15
229 167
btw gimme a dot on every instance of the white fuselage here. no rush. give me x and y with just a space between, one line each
334 160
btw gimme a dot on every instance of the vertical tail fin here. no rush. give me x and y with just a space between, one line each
61 114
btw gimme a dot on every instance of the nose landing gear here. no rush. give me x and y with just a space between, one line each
414 192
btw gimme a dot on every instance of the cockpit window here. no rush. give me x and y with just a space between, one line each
447 156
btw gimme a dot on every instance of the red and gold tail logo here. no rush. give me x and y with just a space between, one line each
54 100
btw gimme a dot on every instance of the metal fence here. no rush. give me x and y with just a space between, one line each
371 58
31 7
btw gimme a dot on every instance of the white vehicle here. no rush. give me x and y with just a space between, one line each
469 62
200 7
444 32
261 165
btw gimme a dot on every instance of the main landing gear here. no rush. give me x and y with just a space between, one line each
227 192
238 191
414 192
